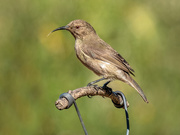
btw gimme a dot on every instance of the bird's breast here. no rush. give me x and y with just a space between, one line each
100 67
79 51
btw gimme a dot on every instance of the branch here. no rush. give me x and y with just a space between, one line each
94 90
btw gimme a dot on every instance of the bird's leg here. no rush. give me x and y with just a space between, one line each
93 82
105 87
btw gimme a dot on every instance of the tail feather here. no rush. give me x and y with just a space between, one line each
134 84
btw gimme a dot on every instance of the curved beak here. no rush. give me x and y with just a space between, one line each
60 28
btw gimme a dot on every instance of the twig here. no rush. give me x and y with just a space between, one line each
62 103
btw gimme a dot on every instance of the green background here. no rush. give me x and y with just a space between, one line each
36 69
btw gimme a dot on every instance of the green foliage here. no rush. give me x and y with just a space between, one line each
36 69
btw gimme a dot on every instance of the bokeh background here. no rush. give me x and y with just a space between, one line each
36 69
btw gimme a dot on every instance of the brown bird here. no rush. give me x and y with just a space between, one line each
99 56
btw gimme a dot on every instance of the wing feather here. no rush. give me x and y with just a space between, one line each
102 51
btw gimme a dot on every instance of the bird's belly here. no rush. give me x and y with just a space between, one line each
91 64
109 70
101 68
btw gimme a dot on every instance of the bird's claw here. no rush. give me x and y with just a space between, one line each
89 84
108 89
95 87
89 96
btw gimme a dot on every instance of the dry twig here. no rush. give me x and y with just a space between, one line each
62 103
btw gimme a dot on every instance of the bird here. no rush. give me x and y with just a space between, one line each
99 56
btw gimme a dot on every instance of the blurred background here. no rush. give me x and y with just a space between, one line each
36 69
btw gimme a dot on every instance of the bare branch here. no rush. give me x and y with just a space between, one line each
62 103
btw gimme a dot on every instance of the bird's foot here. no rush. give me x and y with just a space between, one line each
108 89
90 84
96 87
89 96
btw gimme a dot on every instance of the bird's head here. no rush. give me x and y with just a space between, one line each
78 28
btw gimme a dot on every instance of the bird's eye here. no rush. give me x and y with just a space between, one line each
77 27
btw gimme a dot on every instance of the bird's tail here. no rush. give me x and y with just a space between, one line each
134 84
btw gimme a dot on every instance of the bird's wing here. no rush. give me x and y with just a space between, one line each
103 51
